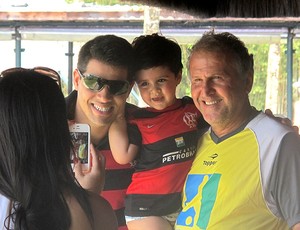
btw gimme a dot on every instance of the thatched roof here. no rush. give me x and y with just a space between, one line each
232 8
184 19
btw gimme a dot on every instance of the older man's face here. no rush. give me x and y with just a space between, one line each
218 91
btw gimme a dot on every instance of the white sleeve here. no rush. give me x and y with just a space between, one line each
285 179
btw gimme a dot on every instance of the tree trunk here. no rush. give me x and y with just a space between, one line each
151 20
272 84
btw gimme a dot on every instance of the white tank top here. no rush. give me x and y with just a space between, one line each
4 211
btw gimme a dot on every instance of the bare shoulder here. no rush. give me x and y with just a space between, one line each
79 219
104 216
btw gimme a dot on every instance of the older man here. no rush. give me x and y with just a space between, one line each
246 172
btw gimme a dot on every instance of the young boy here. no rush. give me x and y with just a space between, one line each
167 133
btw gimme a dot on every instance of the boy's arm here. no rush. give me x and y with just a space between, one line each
123 151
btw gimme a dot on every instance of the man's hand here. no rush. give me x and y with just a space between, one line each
94 179
283 120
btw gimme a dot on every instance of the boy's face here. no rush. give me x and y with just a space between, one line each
99 108
157 86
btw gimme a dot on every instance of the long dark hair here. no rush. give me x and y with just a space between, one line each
35 144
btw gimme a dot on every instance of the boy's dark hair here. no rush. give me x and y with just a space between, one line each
111 50
156 50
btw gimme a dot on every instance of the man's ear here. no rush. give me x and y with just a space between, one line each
131 84
76 79
249 82
179 77
130 88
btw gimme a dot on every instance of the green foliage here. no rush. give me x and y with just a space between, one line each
258 93
64 87
260 56
184 88
296 69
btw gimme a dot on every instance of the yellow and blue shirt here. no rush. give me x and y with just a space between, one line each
236 183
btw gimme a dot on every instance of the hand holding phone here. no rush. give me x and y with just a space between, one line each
80 134
94 179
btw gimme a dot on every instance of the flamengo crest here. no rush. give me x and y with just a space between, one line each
190 119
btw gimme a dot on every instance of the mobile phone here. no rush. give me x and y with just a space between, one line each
80 135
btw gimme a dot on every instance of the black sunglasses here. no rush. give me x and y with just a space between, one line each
40 69
94 83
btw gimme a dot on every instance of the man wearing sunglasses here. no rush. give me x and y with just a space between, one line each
102 83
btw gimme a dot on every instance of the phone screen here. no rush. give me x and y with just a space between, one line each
80 134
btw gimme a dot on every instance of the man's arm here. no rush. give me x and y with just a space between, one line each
296 227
